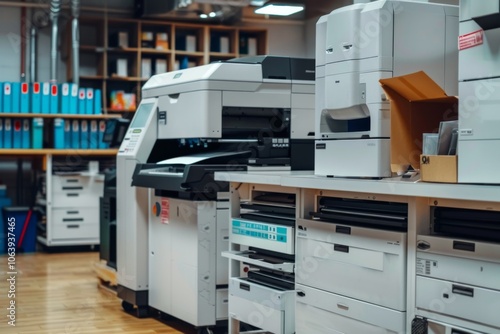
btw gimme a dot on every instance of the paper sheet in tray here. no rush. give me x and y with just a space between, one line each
195 158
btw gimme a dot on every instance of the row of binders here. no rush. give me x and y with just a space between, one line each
49 98
27 133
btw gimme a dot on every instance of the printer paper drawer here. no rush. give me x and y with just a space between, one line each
74 190
441 328
321 312
458 300
332 263
75 223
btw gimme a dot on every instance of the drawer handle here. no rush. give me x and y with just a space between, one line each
73 194
465 246
343 307
72 180
461 290
343 229
72 219
301 293
341 248
456 331
73 226
72 188
72 212
245 287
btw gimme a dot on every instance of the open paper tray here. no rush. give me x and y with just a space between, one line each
244 256
385 224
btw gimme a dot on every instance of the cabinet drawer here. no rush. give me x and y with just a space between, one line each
74 223
75 190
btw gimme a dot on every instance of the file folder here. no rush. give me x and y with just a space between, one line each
58 133
1 97
84 134
7 133
45 99
26 140
1 133
97 102
54 99
67 134
73 99
89 104
16 96
94 134
37 132
17 133
36 98
81 101
25 98
64 98
75 133
7 97
102 130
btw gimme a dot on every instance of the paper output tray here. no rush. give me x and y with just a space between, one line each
259 261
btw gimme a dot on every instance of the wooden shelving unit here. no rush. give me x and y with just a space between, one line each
187 44
73 116
46 151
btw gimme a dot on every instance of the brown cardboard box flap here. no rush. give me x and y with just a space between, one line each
418 105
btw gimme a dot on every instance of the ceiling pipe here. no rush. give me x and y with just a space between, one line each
55 8
75 12
33 64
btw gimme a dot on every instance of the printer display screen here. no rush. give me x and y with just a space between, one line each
141 115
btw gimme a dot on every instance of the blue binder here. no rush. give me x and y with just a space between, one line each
36 98
54 99
64 94
58 133
102 130
7 97
97 102
94 134
73 98
37 132
26 132
1 132
1 97
67 133
25 98
75 133
17 138
82 95
84 134
45 99
7 133
89 107
16 96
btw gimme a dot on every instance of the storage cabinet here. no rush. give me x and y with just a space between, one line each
119 55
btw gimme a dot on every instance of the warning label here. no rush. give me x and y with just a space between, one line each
470 40
424 266
165 210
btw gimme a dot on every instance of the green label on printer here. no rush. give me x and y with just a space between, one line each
269 232
137 131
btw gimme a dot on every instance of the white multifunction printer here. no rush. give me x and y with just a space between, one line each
479 92
358 45
255 112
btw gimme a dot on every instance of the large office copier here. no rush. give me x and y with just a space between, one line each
255 112
479 91
358 45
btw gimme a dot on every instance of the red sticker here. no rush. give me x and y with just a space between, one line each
24 88
470 40
36 88
7 89
165 210
17 125
90 94
82 94
102 126
54 90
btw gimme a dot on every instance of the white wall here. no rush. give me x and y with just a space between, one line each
10 44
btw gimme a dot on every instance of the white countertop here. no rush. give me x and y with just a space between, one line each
389 186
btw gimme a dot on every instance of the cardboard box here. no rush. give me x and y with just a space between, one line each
438 168
418 105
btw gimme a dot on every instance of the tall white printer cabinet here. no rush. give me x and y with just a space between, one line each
72 204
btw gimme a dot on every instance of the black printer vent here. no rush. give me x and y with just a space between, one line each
467 223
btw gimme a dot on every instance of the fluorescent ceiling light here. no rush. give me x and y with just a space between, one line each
279 9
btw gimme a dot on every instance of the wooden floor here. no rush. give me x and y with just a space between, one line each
60 294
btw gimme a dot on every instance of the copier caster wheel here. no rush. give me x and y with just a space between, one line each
127 307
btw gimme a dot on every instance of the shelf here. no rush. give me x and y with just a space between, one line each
77 116
119 110
92 77
189 53
222 55
92 48
155 51
118 78
124 50
45 151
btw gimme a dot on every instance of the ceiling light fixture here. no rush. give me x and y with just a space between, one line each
279 9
